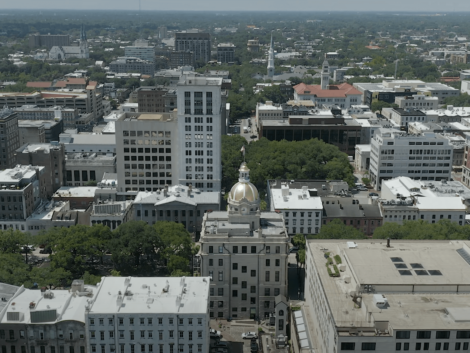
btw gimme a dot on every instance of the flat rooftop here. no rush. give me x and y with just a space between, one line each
296 199
76 191
20 172
271 224
185 295
426 283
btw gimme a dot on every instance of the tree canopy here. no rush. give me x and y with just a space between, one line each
134 248
310 159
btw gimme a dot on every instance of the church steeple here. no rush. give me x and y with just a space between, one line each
82 34
271 59
325 75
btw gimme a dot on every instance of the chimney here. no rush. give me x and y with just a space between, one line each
388 242
165 191
190 189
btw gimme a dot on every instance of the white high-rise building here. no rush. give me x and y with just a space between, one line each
199 132
149 315
427 156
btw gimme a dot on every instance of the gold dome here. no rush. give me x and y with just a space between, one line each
244 190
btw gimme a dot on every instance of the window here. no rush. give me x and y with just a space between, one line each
211 249
234 266
244 284
220 292
406 346
267 292
266 276
268 262
398 346
244 269
438 346
234 293
253 273
423 334
368 346
252 289
403 334
276 276
442 334
253 249
221 262
348 346
463 334
234 280
244 249
235 249
221 275
446 346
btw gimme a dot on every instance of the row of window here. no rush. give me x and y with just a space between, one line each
244 270
42 349
302 214
309 222
162 348
147 133
370 346
168 214
428 334
144 334
197 120
244 249
147 150
132 321
133 142
220 291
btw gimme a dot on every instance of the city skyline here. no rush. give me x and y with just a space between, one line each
244 5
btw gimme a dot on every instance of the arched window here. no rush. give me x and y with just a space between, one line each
281 312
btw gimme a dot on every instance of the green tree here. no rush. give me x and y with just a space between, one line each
336 229
12 241
379 105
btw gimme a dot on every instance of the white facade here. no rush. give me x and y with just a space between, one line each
393 153
302 211
403 199
417 101
200 123
465 87
402 117
149 314
362 158
142 52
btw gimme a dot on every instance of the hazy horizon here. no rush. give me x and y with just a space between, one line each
245 5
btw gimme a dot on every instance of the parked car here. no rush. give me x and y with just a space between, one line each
221 344
249 335
294 249
362 188
373 194
219 350
214 334
254 347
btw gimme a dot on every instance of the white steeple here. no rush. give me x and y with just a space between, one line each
271 59
325 75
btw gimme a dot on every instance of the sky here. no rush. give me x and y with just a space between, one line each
245 5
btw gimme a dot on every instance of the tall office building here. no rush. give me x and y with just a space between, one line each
196 42
226 53
199 131
146 151
9 138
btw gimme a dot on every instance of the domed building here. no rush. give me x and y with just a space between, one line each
245 253
243 200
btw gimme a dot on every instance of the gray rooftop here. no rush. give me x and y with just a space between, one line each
433 294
